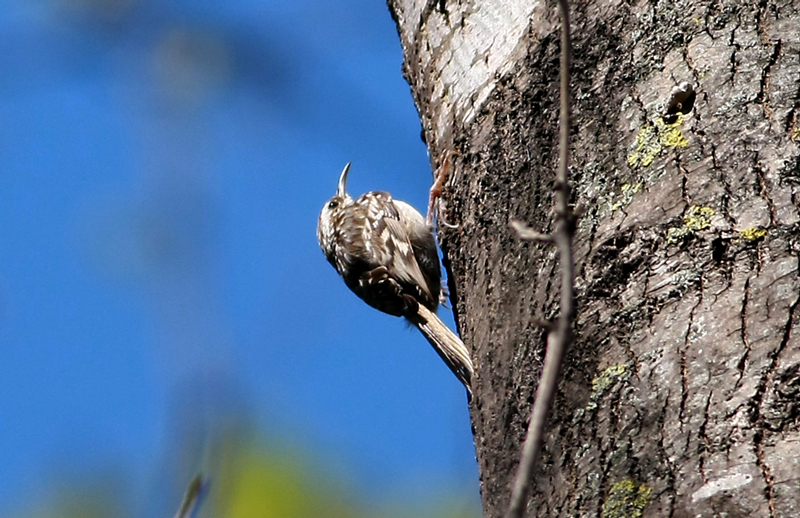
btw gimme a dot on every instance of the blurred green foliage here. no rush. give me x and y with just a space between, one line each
252 481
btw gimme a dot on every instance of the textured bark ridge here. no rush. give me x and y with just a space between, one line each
681 396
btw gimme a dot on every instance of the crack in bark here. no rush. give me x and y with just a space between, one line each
684 181
765 472
742 365
704 441
714 157
792 115
761 98
690 63
728 191
776 279
734 49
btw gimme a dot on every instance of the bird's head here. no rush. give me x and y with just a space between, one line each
328 218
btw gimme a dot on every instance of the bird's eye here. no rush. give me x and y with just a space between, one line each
333 204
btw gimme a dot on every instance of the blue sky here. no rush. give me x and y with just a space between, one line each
162 166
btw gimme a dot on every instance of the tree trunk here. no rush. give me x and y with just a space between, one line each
681 395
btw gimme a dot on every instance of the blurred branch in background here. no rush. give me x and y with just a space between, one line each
192 498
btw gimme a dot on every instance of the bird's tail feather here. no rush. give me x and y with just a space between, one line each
445 342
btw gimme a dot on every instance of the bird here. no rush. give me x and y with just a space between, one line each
385 252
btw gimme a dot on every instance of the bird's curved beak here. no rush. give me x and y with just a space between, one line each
341 189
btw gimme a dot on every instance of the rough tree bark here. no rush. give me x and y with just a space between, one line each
681 396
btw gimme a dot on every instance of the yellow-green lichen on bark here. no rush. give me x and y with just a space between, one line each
752 233
677 234
655 137
627 499
604 381
697 218
626 195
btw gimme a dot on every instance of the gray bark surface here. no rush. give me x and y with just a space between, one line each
681 396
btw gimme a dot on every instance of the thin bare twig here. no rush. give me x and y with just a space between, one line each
560 337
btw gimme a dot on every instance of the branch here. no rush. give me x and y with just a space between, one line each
526 233
561 337
192 498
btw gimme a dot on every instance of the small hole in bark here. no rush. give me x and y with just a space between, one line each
718 249
681 100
